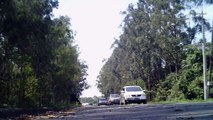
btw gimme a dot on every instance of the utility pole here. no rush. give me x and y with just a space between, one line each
204 61
211 62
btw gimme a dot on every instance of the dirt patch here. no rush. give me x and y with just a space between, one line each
21 113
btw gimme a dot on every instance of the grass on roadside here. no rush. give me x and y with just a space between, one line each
183 101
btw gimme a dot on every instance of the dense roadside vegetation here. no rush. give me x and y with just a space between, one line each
159 50
39 63
90 100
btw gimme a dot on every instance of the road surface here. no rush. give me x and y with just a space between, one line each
193 111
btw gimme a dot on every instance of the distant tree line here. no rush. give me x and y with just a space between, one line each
158 50
39 63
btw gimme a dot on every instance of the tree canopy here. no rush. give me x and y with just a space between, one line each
158 51
39 63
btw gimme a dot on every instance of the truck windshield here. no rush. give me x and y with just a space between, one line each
133 89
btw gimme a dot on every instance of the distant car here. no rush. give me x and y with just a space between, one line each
86 104
114 99
102 101
132 94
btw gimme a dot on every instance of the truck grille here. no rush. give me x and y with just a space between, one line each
136 95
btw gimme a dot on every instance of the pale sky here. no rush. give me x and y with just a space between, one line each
96 23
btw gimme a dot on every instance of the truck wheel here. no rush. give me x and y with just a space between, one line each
144 102
126 102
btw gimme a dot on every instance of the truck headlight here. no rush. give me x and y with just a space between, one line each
128 96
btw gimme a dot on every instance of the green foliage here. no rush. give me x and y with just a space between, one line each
161 94
39 64
150 47
90 100
189 84
158 47
168 89
191 74
138 82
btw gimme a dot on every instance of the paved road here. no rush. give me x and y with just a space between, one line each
195 111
